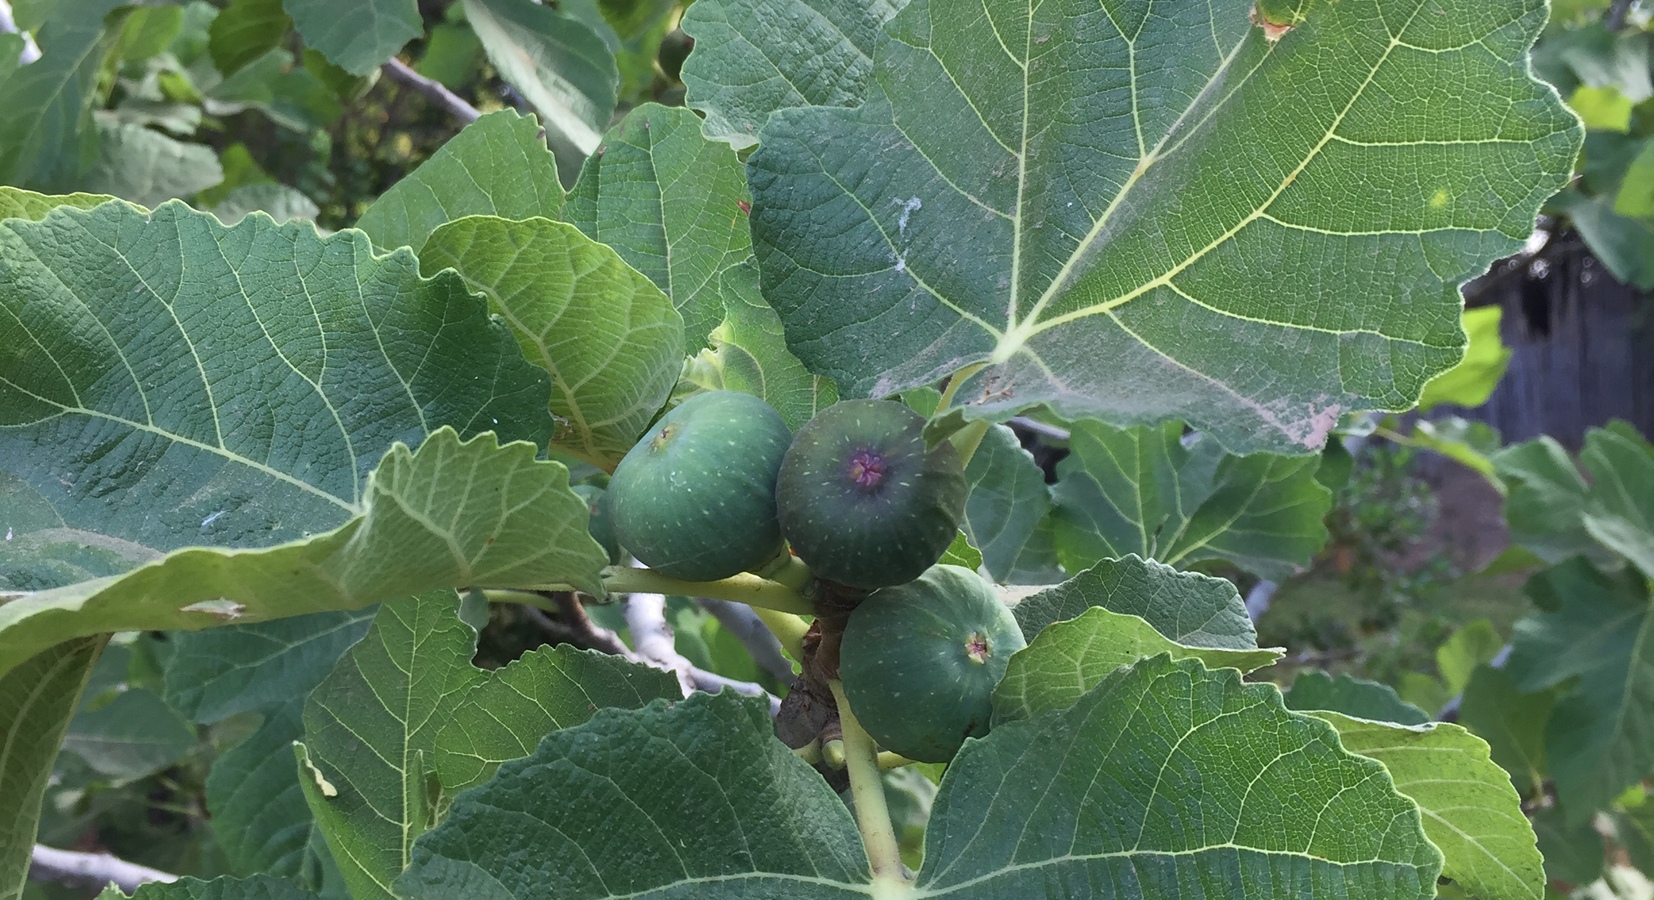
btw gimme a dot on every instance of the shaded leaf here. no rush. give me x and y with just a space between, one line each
1469 647
1620 510
147 167
1597 641
749 354
559 63
1545 501
608 337
260 820
133 735
1169 781
504 716
753 57
1624 244
1573 851
1472 381
704 799
278 201
244 31
240 668
1318 691
1067 659
1076 198
37 699
1192 609
370 731
46 134
669 201
1512 723
258 887
497 166
1146 491
356 36
1007 503
1470 811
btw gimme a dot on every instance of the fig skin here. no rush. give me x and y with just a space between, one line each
862 501
695 497
920 661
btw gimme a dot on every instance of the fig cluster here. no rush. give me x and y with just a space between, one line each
720 486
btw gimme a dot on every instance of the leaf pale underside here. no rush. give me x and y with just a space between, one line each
1190 608
609 339
1145 210
451 514
1470 810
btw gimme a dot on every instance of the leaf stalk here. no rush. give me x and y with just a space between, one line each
861 760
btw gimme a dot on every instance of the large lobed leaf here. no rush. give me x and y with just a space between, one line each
749 354
1153 492
356 36
235 387
1171 781
1146 210
370 735
1594 639
1007 509
558 61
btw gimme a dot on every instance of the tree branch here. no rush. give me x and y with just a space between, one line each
398 71
90 870
1615 20
574 626
744 623
652 637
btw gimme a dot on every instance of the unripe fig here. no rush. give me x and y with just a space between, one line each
600 519
920 661
862 501
695 498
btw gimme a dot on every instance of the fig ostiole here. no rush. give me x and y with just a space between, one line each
920 661
863 501
694 499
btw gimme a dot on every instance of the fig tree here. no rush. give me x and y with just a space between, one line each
695 498
862 501
920 661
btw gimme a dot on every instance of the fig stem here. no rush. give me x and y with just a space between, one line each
888 760
959 378
967 439
861 760
810 753
743 588
787 628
